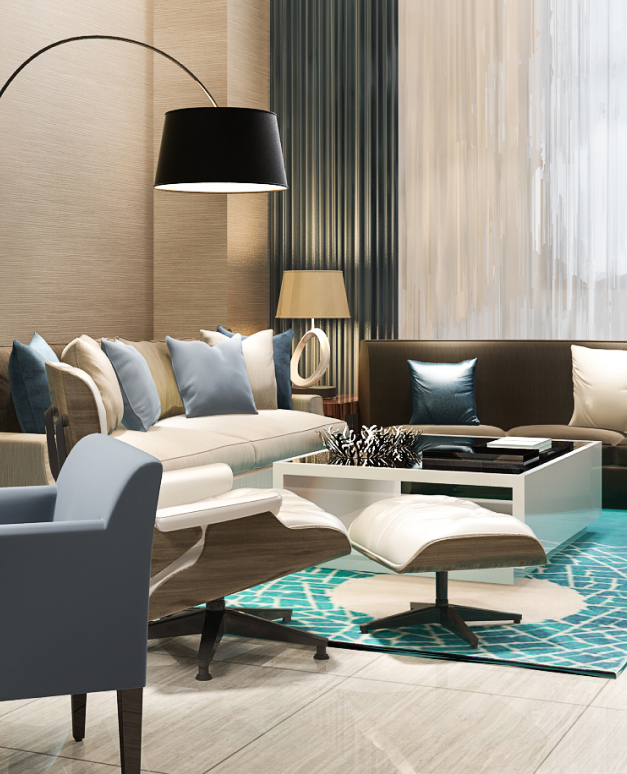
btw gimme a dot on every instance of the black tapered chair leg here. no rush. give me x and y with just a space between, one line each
130 726
212 631
79 708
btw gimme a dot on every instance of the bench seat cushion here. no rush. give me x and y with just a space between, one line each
482 430
568 433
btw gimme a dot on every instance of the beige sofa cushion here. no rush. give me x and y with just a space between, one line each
568 433
270 435
85 353
185 448
258 352
157 355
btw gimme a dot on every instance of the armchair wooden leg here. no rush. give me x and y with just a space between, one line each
79 707
130 726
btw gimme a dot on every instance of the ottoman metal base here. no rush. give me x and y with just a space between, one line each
452 617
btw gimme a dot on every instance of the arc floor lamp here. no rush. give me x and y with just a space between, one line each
208 149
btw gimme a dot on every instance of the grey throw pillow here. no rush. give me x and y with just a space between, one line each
142 406
212 380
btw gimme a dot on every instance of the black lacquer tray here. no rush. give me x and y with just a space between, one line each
473 454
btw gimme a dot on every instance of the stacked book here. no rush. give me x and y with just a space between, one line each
511 442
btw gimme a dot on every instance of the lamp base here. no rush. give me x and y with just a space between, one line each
324 391
325 357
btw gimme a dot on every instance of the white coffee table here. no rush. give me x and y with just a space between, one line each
558 499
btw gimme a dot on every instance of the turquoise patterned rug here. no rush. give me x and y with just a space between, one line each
592 642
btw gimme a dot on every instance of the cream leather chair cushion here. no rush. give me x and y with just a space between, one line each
399 530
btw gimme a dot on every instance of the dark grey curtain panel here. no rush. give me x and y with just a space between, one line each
334 87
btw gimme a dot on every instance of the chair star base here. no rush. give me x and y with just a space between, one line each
452 617
216 620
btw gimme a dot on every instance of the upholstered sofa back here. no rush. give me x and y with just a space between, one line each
157 357
517 382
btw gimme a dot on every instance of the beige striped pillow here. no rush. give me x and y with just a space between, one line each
259 358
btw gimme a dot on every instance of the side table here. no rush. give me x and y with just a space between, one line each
345 407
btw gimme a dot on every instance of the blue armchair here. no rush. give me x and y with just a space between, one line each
74 582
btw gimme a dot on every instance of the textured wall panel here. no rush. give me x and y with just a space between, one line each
211 250
190 238
248 57
76 172
513 150
334 88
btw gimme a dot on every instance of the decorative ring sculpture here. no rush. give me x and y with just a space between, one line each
325 357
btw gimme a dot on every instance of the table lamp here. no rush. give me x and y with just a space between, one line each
312 294
208 149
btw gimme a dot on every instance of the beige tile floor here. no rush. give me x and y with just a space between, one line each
272 709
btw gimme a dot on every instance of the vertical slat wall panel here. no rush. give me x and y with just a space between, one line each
334 88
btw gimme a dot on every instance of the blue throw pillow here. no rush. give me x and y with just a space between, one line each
29 383
142 407
212 380
443 393
282 352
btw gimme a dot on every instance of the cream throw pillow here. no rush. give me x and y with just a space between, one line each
259 358
600 388
85 353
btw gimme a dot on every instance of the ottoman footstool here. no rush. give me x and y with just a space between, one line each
436 533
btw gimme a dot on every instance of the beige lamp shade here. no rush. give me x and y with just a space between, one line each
312 294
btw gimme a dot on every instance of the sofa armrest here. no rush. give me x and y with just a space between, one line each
311 403
75 394
24 460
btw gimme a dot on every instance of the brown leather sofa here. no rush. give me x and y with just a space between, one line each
522 388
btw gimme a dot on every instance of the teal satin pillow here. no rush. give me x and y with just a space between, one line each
443 393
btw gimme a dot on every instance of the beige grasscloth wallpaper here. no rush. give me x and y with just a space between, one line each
86 246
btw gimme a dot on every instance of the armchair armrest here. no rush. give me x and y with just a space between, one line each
31 530
218 509
24 460
311 403
22 505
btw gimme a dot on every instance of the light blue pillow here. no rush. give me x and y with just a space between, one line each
142 407
212 380
282 353
29 383
443 393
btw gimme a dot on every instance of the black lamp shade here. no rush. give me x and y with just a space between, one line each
220 150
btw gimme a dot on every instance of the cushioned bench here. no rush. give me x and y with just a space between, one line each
523 388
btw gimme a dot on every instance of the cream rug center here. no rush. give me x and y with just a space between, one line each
381 595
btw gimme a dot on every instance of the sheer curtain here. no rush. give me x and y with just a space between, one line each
513 169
